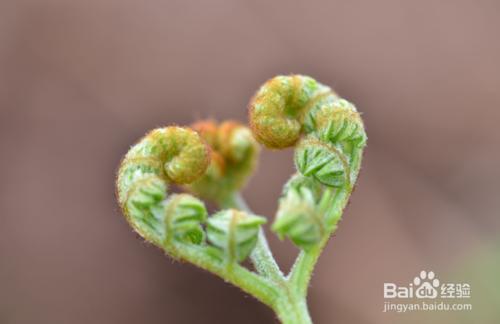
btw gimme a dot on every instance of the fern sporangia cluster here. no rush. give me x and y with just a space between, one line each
213 161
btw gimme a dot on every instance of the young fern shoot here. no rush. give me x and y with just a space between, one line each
214 161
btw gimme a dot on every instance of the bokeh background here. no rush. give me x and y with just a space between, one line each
82 80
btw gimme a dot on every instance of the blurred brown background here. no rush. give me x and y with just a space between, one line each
82 80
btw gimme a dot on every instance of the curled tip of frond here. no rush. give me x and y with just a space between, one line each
328 131
329 137
183 152
278 108
231 139
234 156
165 155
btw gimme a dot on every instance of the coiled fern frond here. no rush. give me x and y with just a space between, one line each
215 160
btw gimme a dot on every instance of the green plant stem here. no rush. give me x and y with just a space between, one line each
261 288
293 310
290 306
332 203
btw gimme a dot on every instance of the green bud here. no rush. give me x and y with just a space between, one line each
337 123
234 154
322 161
234 232
298 217
183 216
146 194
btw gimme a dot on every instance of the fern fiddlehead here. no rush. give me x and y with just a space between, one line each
175 224
234 153
164 156
329 137
214 161
327 131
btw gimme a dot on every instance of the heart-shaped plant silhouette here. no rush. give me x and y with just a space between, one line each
213 161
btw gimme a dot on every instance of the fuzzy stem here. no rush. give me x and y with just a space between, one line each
261 288
293 310
290 306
